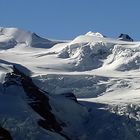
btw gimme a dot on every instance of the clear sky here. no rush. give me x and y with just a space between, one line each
65 19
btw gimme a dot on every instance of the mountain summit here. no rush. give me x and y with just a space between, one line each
19 36
125 37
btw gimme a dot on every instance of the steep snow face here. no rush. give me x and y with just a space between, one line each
86 56
12 36
39 42
19 35
94 51
124 58
83 86
7 42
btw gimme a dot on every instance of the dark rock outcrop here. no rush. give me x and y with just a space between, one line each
70 96
125 37
39 102
5 134
37 99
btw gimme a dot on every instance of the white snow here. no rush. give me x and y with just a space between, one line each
95 68
90 33
86 55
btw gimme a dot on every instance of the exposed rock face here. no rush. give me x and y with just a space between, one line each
39 102
37 99
4 134
125 37
71 96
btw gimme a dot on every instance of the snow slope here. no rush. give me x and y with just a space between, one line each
101 72
18 36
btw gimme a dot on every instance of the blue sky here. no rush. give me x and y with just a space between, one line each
65 19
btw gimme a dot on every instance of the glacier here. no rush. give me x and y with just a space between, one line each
81 89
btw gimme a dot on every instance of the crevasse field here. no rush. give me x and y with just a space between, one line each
87 88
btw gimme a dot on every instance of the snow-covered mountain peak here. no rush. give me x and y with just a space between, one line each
89 37
19 36
97 34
